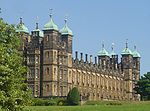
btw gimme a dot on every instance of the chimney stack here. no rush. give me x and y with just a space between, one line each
86 58
90 58
76 54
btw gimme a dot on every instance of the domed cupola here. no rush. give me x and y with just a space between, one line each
126 51
50 25
38 30
135 53
21 27
103 52
66 30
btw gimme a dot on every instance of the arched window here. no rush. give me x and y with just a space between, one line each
47 70
47 87
55 58
47 54
36 59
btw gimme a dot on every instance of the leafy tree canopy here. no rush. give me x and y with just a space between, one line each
14 93
143 86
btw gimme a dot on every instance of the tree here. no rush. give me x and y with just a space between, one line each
14 93
73 97
143 87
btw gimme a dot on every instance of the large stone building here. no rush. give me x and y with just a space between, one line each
53 71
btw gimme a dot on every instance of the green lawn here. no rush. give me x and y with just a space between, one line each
134 106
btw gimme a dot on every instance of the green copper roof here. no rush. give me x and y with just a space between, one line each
112 53
135 53
38 30
50 25
126 51
21 27
103 52
65 30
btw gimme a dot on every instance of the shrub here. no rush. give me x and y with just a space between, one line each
62 102
73 97
43 102
48 102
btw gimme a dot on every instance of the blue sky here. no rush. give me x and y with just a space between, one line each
92 22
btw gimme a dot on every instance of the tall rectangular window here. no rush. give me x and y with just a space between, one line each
36 73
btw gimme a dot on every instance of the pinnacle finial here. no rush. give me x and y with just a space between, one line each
21 22
51 11
66 16
134 47
112 47
126 43
103 45
37 24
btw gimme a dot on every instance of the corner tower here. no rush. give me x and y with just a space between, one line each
24 34
34 61
127 66
65 54
103 58
136 71
24 38
113 59
50 52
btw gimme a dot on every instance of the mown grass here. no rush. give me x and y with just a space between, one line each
101 106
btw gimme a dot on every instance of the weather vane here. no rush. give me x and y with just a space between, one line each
66 16
51 10
112 47
135 47
126 43
103 45
37 19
